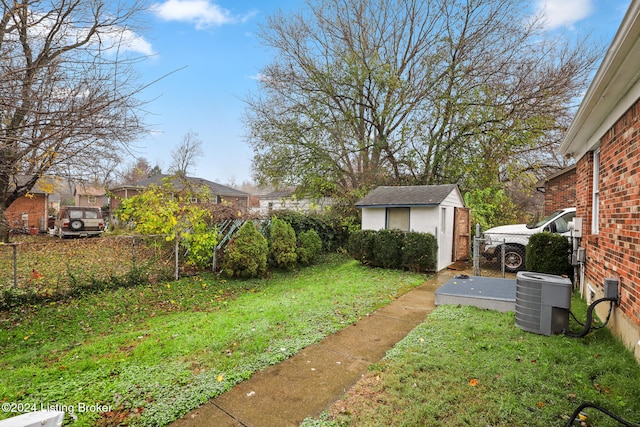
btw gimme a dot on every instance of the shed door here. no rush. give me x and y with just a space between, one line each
462 234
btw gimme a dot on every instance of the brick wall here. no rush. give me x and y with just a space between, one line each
615 250
32 206
560 192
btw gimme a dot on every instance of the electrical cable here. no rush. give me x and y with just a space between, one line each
587 325
573 316
576 413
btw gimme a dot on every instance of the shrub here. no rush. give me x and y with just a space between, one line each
548 253
282 244
394 249
309 246
246 255
387 248
420 252
332 231
360 245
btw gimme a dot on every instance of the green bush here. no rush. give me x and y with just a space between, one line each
246 254
309 246
394 249
548 253
282 244
387 248
420 252
360 245
333 232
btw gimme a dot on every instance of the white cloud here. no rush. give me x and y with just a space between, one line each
563 13
119 38
111 39
202 13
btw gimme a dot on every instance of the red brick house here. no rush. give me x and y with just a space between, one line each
30 211
604 139
559 190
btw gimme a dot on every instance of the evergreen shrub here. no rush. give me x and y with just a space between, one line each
420 252
548 253
387 248
246 254
332 232
360 246
394 249
282 244
309 247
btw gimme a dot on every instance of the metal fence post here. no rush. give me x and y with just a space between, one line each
177 257
476 256
504 243
15 266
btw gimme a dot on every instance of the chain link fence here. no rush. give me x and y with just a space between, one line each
498 255
46 267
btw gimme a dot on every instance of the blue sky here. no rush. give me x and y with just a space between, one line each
213 49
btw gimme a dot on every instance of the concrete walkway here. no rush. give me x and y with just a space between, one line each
305 384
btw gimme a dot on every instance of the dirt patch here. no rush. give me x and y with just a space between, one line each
362 397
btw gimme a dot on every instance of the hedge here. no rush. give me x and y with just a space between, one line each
394 249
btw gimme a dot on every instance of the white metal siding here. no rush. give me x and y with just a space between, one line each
424 219
373 218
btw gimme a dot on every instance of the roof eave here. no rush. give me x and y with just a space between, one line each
612 91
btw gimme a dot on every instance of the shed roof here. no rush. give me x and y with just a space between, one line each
410 195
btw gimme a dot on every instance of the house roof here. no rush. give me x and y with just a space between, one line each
540 185
613 90
279 194
410 195
217 189
86 190
39 188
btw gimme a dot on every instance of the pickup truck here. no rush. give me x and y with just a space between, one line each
512 239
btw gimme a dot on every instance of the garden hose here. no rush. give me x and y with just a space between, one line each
578 410
588 324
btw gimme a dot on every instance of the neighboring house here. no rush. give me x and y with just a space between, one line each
218 193
30 211
435 209
285 199
86 195
604 139
559 190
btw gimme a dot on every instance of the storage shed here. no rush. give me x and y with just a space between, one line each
435 209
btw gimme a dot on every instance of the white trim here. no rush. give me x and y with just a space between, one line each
595 196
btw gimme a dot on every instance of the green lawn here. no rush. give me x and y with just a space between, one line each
149 354
470 367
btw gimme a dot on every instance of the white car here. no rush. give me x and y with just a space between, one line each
512 239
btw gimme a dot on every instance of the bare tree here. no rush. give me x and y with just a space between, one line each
185 156
140 169
68 97
367 92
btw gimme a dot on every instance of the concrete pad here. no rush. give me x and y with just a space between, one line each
482 292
